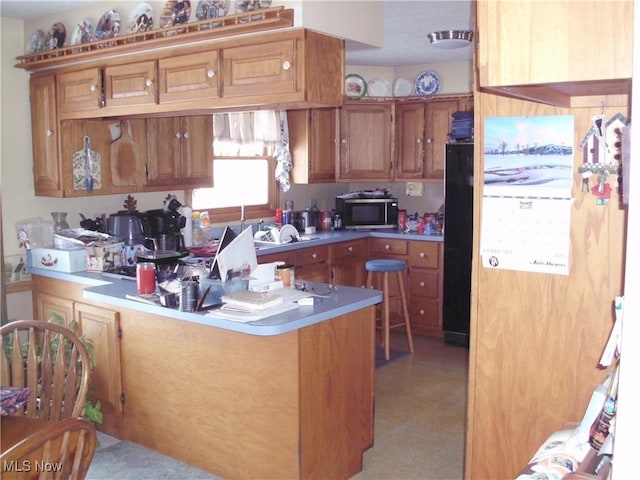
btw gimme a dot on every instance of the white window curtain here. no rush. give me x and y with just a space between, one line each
261 133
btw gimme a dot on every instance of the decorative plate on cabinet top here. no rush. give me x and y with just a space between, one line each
242 6
37 42
354 86
141 18
212 9
427 83
378 87
175 13
56 36
83 33
403 87
108 25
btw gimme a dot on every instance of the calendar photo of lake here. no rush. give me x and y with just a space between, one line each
528 156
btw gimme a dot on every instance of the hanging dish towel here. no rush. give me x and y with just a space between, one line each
283 154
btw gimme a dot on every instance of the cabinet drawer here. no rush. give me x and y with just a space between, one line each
424 283
423 254
188 77
131 84
312 255
79 91
385 245
356 248
287 257
424 315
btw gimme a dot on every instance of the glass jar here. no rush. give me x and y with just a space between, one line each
59 221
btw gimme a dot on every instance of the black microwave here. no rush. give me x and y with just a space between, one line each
367 213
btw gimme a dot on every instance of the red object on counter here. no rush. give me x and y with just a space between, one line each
402 219
279 212
146 277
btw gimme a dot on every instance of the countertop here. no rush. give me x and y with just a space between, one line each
343 300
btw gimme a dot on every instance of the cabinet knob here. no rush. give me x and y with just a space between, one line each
148 82
350 249
387 247
421 311
429 140
185 134
422 284
211 73
422 255
178 135
49 132
343 141
419 141
314 255
92 88
286 65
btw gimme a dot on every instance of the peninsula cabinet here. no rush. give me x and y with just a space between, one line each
312 264
313 141
180 151
581 49
99 325
365 142
44 134
347 263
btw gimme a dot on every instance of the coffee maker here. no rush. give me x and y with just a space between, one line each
164 227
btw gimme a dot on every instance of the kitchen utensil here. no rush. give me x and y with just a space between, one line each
86 167
124 157
127 226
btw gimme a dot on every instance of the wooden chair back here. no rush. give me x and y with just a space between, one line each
51 361
62 450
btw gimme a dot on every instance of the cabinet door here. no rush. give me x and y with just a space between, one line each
347 263
261 69
164 143
131 84
46 306
365 142
410 141
188 77
312 263
197 151
313 143
438 126
102 327
44 132
78 91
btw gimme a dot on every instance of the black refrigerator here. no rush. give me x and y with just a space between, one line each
458 238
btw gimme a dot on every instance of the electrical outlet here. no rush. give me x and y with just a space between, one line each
414 189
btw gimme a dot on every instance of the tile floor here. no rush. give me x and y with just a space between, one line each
419 414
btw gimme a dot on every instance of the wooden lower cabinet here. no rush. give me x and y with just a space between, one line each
347 263
311 263
96 323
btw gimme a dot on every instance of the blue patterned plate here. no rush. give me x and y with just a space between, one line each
427 83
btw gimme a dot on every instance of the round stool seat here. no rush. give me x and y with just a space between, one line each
384 265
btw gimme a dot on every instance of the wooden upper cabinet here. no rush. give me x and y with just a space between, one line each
79 90
313 143
438 126
410 130
365 142
180 151
262 69
189 77
550 51
130 84
44 133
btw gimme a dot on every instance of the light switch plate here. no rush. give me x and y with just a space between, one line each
414 189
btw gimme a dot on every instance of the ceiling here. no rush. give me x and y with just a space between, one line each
406 25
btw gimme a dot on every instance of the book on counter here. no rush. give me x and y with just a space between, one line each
249 300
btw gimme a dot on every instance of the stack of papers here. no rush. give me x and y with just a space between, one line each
248 300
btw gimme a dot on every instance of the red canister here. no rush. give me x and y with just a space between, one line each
279 212
327 221
402 219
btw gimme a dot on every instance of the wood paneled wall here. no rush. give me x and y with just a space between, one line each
536 339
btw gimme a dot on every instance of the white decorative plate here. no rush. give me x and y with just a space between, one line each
37 43
56 36
378 87
175 13
141 18
83 33
242 6
403 87
354 86
427 83
212 9
108 25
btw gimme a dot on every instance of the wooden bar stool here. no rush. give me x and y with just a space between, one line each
386 267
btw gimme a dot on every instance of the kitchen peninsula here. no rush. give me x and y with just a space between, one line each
285 397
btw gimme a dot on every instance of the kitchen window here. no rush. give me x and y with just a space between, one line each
248 181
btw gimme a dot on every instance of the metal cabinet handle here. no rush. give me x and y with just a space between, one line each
148 82
49 132
211 73
286 65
